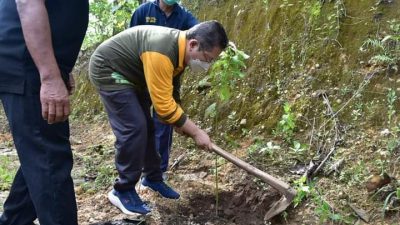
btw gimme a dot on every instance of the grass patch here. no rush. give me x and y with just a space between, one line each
8 169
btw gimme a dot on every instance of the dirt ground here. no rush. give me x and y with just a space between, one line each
240 200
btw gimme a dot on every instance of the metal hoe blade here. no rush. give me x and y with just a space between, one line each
277 207
280 205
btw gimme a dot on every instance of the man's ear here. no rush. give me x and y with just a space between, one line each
193 43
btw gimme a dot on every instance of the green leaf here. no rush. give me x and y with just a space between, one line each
242 54
296 144
211 111
225 93
242 75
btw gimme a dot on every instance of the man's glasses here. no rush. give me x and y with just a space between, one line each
207 58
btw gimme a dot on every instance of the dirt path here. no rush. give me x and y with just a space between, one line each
238 201
194 178
242 199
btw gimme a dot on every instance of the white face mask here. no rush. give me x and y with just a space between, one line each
197 66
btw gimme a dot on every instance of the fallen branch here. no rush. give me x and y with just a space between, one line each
333 116
336 139
360 88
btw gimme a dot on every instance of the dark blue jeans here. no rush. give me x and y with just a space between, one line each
163 140
43 186
129 116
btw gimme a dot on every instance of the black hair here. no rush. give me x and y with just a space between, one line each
209 34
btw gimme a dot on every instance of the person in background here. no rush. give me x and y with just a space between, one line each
134 70
167 13
39 44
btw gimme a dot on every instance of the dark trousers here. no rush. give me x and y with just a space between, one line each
163 140
43 186
129 116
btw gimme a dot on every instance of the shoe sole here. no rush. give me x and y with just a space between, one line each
115 201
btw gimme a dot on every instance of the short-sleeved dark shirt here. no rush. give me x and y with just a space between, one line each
150 13
68 23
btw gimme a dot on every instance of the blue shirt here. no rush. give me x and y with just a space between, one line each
150 13
68 23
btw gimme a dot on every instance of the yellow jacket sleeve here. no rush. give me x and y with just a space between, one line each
158 71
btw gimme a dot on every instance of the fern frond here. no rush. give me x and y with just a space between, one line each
374 43
382 59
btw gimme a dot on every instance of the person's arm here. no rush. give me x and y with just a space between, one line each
200 137
158 70
36 29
